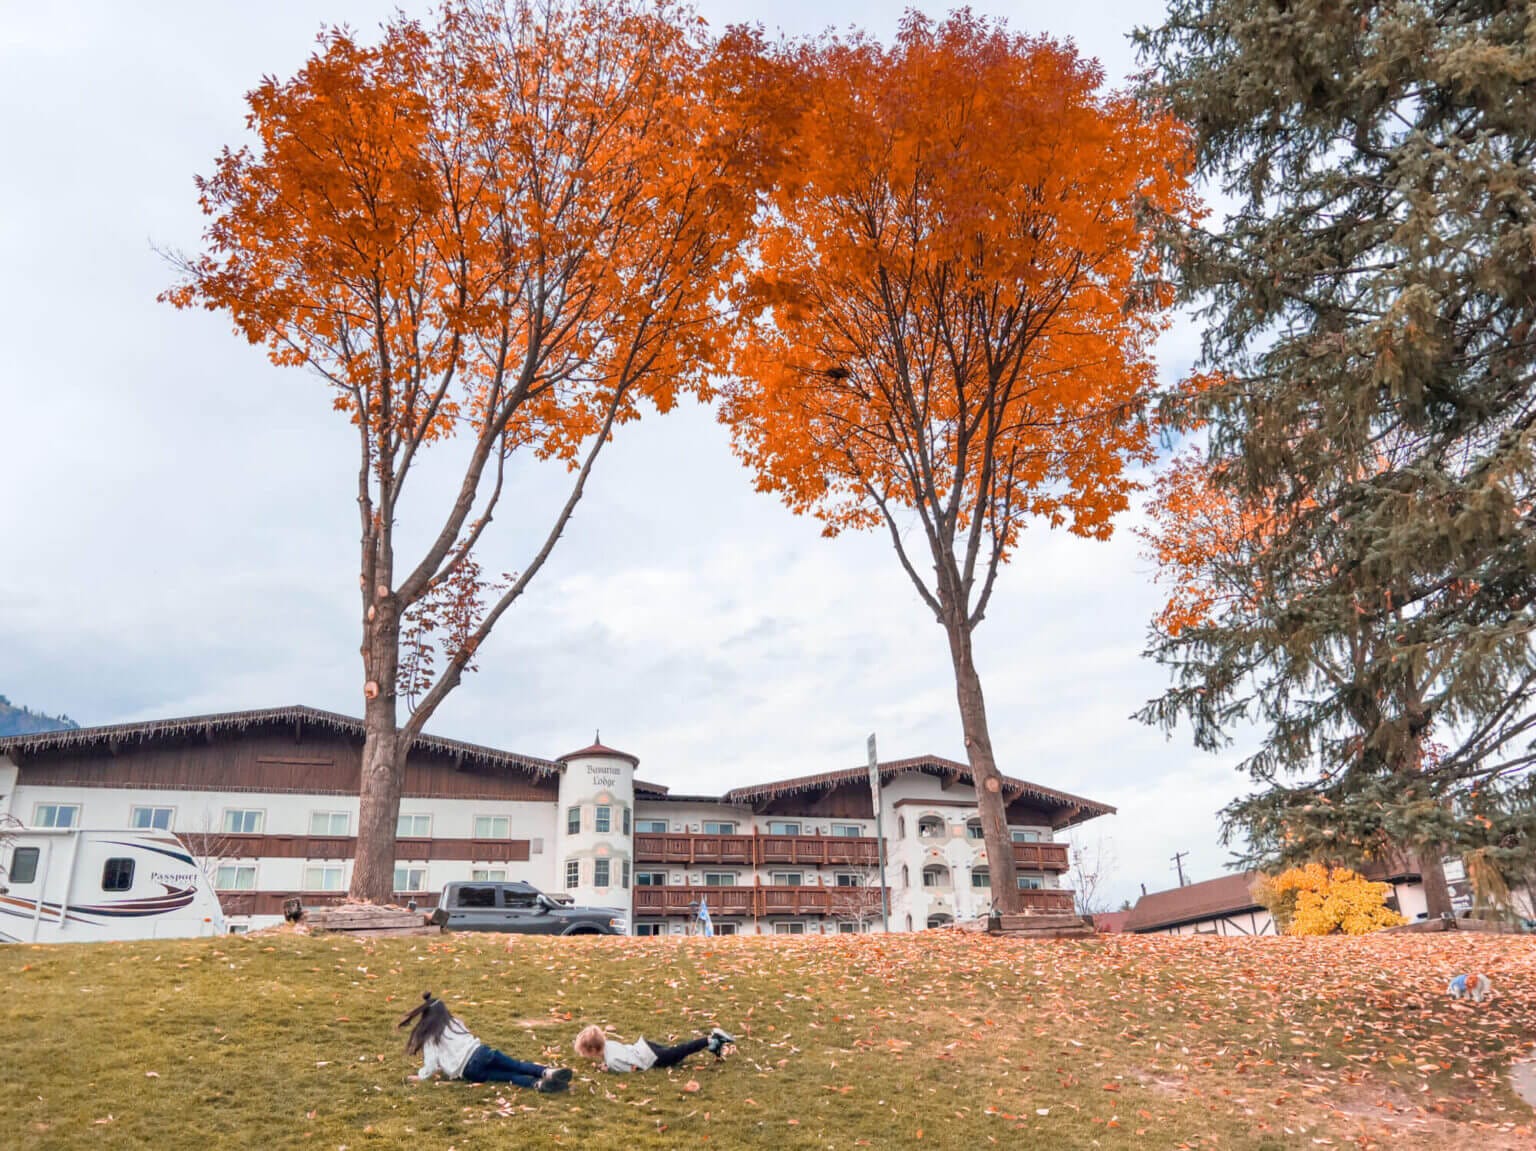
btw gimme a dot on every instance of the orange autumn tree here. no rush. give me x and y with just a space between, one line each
950 317
497 234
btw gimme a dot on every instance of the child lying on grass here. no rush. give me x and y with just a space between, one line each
642 1054
446 1045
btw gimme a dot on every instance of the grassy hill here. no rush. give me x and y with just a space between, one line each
930 1040
23 721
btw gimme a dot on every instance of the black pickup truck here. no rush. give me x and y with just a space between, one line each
523 909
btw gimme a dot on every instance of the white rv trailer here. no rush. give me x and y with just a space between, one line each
69 885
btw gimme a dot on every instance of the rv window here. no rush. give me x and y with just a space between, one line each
477 897
24 865
117 875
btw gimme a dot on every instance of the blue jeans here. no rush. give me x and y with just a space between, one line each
487 1065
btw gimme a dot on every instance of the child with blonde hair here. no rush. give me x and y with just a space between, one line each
642 1054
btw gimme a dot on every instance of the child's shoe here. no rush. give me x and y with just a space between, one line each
554 1079
717 1041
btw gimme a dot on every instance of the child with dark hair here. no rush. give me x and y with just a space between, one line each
642 1054
446 1045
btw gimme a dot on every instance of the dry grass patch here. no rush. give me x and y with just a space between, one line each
938 1039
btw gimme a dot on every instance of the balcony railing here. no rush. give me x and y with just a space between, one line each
756 899
271 902
1048 901
1041 856
749 850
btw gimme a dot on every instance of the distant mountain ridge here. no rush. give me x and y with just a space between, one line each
23 721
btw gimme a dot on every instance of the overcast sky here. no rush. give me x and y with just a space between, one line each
180 528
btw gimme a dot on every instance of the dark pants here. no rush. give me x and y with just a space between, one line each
487 1065
672 1056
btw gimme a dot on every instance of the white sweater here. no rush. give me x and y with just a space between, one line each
636 1056
449 1052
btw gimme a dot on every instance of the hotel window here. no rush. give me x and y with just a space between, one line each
930 827
719 879
488 875
410 878
625 810
235 877
493 827
413 827
650 879
906 876
117 875
846 928
725 929
974 830
572 820
781 827
599 873
650 929
651 827
239 821
56 815
935 875
939 921
326 877
849 879
718 827
788 878
572 873
850 830
147 818
981 877
1024 835
789 929
604 818
329 823
626 875
1031 883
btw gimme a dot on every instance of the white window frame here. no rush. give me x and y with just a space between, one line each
488 874
602 819
170 817
726 929
798 825
602 873
942 874
413 816
795 928
236 870
650 827
847 927
258 812
649 929
317 874
847 830
492 821
1025 835
55 808
782 878
415 876
572 873
719 879
984 874
661 875
624 818
624 868
1030 882
974 830
929 821
719 826
330 820
849 879
573 819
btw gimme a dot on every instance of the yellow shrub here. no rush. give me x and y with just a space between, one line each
1317 900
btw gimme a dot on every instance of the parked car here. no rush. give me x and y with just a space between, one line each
522 909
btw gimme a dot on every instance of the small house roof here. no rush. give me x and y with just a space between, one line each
1211 899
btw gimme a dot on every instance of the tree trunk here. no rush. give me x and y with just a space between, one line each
383 770
988 780
1437 893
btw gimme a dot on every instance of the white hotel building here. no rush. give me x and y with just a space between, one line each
267 801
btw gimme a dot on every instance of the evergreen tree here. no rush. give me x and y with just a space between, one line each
1369 306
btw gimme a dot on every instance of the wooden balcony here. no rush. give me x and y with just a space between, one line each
1041 856
728 849
271 902
755 900
1048 900
259 846
750 850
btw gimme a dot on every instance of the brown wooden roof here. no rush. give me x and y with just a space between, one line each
235 721
927 765
599 751
1213 899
